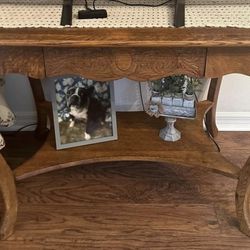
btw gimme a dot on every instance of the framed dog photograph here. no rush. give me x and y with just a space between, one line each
83 112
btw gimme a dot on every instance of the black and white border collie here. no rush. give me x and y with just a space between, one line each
83 106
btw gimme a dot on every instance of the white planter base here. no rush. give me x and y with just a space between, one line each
170 133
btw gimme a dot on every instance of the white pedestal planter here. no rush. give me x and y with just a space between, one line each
170 133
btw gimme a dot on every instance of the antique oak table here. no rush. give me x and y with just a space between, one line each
33 43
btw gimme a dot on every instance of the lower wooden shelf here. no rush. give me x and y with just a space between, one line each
138 140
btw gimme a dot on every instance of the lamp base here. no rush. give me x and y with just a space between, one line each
90 14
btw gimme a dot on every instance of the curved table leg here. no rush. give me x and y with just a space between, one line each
243 199
8 191
213 94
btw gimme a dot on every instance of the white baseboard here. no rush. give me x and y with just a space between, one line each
233 121
226 121
22 119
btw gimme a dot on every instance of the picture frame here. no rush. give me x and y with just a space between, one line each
83 112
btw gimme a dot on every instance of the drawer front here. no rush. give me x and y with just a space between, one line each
134 63
222 61
24 60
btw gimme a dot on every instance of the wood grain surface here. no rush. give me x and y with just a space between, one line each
134 63
213 94
115 63
24 60
126 37
222 61
128 205
135 130
143 54
8 193
243 198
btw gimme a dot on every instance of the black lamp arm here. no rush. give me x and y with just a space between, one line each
179 17
66 18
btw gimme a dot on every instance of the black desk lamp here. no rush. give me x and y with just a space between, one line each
66 19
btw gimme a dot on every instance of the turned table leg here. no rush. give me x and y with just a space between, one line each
243 199
8 191
213 94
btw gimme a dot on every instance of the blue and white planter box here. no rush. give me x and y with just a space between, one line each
178 101
156 100
153 108
188 103
175 111
167 100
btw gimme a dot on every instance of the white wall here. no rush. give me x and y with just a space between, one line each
233 104
233 110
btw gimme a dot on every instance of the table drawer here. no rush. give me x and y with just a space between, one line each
133 63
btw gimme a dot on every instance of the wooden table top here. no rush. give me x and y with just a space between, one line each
126 37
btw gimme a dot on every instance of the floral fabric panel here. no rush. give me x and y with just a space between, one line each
7 118
2 143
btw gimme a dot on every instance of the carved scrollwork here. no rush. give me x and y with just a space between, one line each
115 63
123 61
134 63
103 63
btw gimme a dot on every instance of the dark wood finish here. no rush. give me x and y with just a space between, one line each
128 205
8 192
213 94
243 199
222 61
134 63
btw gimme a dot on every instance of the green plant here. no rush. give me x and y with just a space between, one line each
192 85
176 84
157 85
189 89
